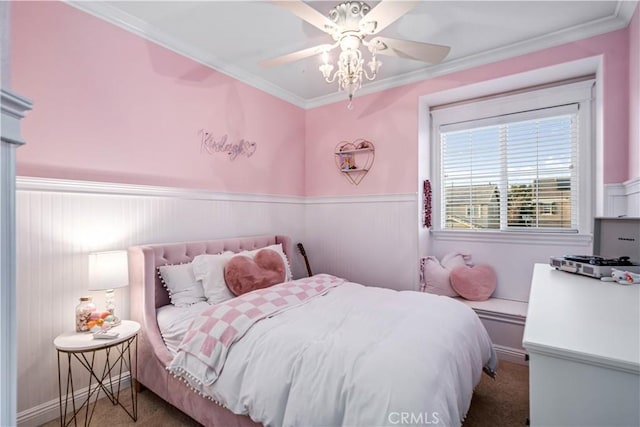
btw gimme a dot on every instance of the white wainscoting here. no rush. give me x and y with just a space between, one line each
367 239
60 222
632 191
623 199
633 197
512 259
615 200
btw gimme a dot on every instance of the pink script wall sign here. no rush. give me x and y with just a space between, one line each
210 145
111 106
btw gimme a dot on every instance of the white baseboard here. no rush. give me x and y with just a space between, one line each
509 354
50 410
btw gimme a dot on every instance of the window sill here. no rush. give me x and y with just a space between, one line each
513 237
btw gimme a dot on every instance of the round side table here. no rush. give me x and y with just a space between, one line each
82 347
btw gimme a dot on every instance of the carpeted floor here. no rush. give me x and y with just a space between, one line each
503 402
496 403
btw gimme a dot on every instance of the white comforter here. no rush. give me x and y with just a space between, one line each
358 356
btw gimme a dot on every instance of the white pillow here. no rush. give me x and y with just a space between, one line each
278 248
209 270
182 285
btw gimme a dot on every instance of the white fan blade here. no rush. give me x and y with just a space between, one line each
307 13
426 52
384 14
295 56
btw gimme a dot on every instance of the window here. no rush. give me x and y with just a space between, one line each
514 163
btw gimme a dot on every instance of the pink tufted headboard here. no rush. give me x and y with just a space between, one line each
148 293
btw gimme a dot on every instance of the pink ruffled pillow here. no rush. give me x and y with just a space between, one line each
243 274
435 274
474 283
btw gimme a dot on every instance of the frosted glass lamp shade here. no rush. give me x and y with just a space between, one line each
108 270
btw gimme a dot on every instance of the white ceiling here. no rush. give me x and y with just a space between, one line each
233 36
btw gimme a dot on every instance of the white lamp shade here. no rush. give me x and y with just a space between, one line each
108 270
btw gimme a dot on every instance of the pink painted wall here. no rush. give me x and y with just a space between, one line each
634 95
110 106
390 119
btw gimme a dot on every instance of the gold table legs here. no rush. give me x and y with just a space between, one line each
109 381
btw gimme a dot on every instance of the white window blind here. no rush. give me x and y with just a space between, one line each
511 172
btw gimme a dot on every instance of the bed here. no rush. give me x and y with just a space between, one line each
346 355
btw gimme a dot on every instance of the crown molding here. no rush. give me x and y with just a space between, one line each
625 10
618 20
143 29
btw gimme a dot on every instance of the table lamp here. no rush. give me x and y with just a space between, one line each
108 271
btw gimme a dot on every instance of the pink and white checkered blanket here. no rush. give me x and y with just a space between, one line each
203 351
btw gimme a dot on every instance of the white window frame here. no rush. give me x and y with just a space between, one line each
572 93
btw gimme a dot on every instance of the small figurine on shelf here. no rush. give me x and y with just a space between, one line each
363 145
347 162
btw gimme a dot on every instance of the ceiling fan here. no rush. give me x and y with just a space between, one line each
351 24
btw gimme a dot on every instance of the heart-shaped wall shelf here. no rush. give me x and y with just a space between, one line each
355 159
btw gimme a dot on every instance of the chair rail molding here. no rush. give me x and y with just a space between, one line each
623 199
13 109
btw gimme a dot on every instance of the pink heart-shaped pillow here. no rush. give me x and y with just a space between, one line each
243 274
474 283
435 274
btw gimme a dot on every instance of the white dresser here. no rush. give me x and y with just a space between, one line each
583 340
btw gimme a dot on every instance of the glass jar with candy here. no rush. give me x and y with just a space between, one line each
84 310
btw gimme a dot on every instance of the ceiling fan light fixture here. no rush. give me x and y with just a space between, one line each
326 69
348 15
368 27
374 66
350 72
350 24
